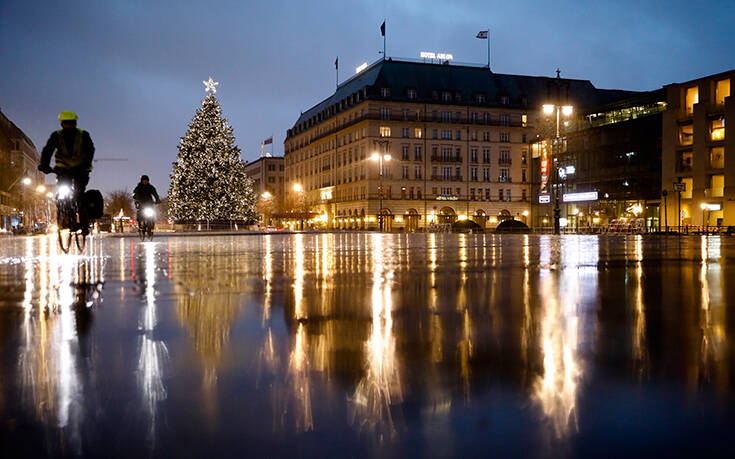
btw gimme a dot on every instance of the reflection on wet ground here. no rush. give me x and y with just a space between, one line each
367 345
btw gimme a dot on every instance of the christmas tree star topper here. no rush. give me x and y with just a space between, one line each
210 85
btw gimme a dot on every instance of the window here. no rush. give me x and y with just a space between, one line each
418 133
457 117
717 186
446 96
686 134
507 195
446 117
434 134
688 183
717 129
523 138
524 197
504 157
505 136
480 98
524 155
523 175
473 174
504 120
504 175
486 136
418 193
417 153
524 120
447 134
473 117
486 118
405 132
446 173
411 93
691 98
404 153
434 190
384 113
434 115
716 158
417 172
505 100
684 162
472 194
500 194
473 155
486 174
434 173
404 172
459 135
487 194
458 174
384 92
384 131
485 155
722 90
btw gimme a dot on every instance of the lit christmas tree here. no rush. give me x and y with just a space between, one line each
208 181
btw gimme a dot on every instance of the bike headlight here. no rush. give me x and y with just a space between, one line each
63 191
149 212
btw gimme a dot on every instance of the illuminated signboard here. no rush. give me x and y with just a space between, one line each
544 199
714 207
576 197
440 56
570 170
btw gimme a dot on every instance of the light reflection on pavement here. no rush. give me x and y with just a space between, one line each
364 344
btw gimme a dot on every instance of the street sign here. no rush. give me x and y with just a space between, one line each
680 186
544 199
576 197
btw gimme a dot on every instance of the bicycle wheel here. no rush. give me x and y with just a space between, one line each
64 240
149 229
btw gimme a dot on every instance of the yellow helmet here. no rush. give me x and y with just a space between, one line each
68 116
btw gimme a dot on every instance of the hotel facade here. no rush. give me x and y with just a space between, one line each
453 142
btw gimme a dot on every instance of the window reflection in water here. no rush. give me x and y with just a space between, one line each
563 299
713 363
380 388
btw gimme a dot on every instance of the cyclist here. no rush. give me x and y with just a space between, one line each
74 152
144 193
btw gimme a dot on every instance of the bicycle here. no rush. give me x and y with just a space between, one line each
67 214
146 221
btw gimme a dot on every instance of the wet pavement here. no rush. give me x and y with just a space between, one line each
367 345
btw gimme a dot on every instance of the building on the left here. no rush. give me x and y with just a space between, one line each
22 189
267 173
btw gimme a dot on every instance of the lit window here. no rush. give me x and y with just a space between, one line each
692 97
384 131
717 129
717 158
686 134
417 133
524 120
411 93
722 90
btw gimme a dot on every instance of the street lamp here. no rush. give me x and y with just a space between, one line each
565 110
299 190
26 181
380 158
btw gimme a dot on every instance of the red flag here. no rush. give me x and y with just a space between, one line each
482 35
267 141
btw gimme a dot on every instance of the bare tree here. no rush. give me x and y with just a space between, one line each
117 200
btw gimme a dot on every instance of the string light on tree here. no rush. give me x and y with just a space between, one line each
210 85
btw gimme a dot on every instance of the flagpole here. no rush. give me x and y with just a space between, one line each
488 48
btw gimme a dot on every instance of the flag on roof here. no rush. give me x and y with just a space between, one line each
482 35
267 141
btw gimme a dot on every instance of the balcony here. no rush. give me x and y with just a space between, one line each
446 158
505 161
447 178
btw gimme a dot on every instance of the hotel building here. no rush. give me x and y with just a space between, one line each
698 152
454 141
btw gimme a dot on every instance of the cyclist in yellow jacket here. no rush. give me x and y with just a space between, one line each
74 151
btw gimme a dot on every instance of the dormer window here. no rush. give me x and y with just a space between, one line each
480 98
411 93
435 94
504 100
384 92
446 96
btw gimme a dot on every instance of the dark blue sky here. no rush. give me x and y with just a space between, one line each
133 69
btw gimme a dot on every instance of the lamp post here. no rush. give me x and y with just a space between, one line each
703 206
380 157
559 110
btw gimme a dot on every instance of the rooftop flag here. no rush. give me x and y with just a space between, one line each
336 63
482 35
267 141
382 29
